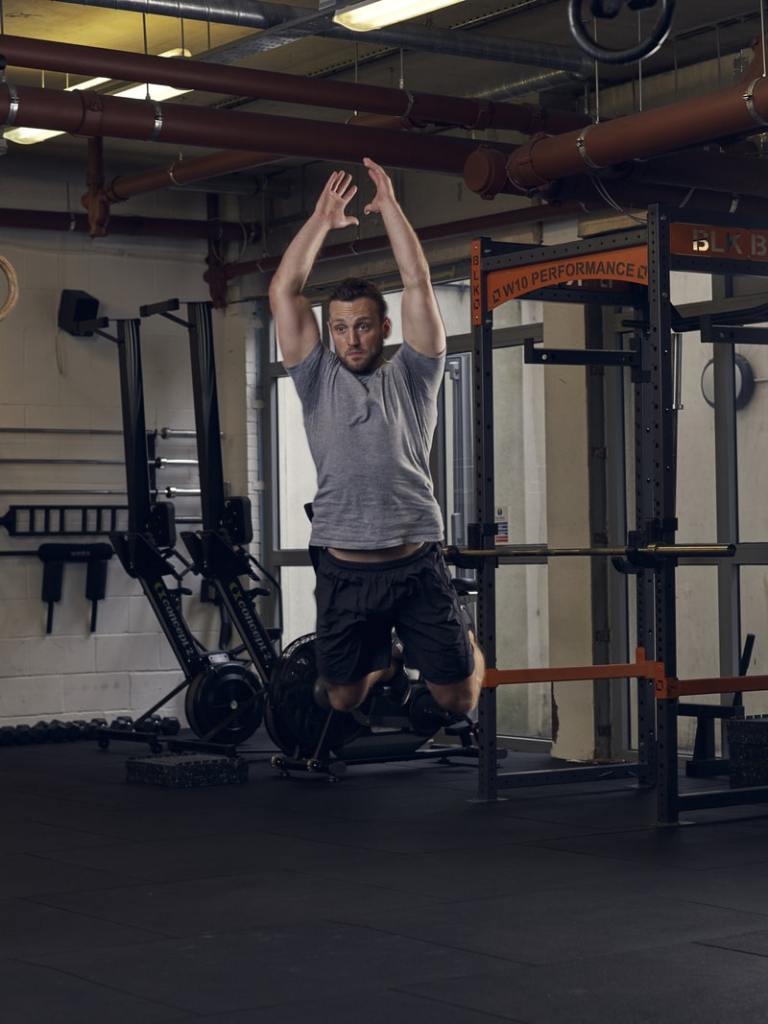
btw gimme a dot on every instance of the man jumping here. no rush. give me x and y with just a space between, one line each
369 421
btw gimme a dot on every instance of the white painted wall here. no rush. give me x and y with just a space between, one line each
51 379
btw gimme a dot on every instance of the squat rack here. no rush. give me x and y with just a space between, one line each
628 269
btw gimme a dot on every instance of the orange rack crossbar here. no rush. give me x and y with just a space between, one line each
670 689
641 668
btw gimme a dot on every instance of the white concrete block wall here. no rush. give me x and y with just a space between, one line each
50 379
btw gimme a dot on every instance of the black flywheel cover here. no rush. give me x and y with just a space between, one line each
225 704
294 720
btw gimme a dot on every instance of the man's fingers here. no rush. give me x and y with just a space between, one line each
338 181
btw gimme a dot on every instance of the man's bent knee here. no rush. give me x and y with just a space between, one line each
459 698
348 696
345 696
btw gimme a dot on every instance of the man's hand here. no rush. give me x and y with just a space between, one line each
335 197
385 192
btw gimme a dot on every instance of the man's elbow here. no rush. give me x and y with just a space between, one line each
418 279
276 289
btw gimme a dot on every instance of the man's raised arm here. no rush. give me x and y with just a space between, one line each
423 327
297 331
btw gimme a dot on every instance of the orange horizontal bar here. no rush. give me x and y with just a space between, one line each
669 689
640 669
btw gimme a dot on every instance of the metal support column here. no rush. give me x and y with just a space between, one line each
616 525
134 425
201 350
644 412
482 378
663 429
727 499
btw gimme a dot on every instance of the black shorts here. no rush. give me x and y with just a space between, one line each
358 603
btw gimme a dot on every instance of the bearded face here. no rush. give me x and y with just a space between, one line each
358 333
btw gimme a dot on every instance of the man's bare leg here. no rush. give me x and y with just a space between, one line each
461 697
348 696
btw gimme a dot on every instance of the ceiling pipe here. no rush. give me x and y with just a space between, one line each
542 82
190 171
86 113
568 199
182 172
629 196
283 23
486 173
426 108
137 227
718 172
378 243
735 111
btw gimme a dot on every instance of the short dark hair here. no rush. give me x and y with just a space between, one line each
357 288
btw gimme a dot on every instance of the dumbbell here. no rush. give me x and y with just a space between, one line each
23 735
94 726
39 732
7 736
169 726
58 731
153 724
123 723
81 729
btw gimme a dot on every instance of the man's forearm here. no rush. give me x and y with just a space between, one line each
406 247
299 258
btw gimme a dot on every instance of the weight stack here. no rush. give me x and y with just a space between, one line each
748 751
186 771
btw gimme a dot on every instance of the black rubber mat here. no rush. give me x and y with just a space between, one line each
681 983
379 1007
266 967
392 896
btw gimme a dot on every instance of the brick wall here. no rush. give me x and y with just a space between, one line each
50 379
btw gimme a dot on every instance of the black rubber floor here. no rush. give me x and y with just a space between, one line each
388 898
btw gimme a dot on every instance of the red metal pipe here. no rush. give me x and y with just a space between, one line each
424 108
154 227
94 200
485 173
737 110
469 226
573 197
85 113
183 172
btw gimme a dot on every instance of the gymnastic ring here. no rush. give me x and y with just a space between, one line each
13 287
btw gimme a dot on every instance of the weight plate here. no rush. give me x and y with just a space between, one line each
225 704
294 720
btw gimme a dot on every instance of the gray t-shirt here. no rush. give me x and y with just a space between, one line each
370 436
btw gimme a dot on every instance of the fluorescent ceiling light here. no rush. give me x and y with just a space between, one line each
157 93
371 14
